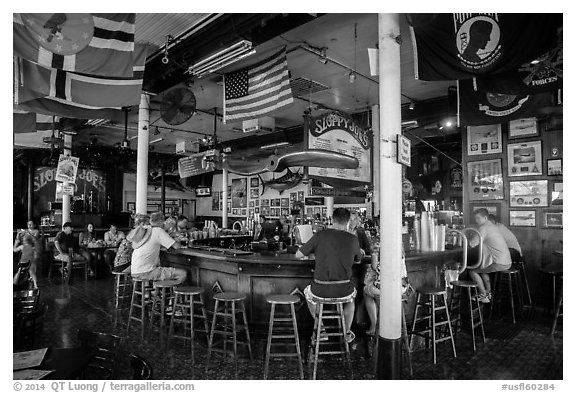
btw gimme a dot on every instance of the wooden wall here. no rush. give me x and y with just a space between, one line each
538 242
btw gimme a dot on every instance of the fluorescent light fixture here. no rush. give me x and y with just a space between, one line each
222 58
156 140
275 145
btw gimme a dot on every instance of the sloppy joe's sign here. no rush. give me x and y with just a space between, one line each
340 133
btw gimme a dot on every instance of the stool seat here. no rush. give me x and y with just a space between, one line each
120 273
165 284
332 300
188 290
140 279
282 299
464 284
229 296
558 271
509 271
432 290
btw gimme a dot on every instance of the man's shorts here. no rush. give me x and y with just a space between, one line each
311 298
157 274
66 257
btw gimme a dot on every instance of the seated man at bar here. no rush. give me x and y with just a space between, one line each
64 246
113 237
180 232
335 250
355 228
146 243
495 254
509 237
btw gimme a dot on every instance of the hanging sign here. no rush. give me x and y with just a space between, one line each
67 168
195 164
68 189
404 150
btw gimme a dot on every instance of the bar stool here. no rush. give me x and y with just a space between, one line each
430 305
553 272
190 308
232 304
323 315
521 267
121 287
474 310
141 294
163 295
512 291
557 312
282 300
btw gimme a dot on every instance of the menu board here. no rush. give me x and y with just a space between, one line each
340 133
195 164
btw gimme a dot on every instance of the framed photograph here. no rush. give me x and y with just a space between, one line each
525 159
265 202
239 197
317 210
523 128
492 209
293 196
522 218
557 199
243 212
485 180
131 206
251 204
277 202
309 211
484 140
257 202
553 219
285 202
301 196
235 212
229 207
285 212
254 193
554 167
257 210
215 200
250 212
254 182
529 193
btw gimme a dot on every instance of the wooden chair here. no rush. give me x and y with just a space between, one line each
25 301
106 347
141 368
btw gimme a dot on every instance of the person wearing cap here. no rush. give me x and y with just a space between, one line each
146 243
64 245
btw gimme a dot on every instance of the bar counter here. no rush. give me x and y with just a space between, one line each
263 273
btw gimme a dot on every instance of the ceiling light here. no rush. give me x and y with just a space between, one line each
222 58
156 140
275 145
322 56
535 61
351 77
412 105
448 123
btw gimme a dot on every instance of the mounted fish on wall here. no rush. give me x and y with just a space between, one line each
285 182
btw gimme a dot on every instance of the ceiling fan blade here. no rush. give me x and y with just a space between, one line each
317 158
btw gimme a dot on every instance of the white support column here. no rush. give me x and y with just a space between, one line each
376 158
224 198
390 198
66 198
329 206
142 154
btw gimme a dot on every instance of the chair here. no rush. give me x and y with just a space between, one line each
141 368
25 301
28 326
106 348
76 264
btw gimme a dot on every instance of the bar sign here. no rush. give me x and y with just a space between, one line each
404 150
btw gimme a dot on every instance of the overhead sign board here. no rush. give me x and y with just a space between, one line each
67 168
195 164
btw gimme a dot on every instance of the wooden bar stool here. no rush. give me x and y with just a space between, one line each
553 273
474 310
328 310
232 303
511 278
521 267
141 299
122 284
282 300
189 301
557 311
430 305
163 296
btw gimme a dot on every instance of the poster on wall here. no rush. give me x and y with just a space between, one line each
239 195
522 218
485 181
525 159
67 168
557 194
529 193
484 140
215 200
340 133
522 128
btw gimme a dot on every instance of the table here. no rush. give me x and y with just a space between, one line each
99 251
67 363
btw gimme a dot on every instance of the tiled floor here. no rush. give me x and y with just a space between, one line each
522 351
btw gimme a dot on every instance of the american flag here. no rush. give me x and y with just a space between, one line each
257 90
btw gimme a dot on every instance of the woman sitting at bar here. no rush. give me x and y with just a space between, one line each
495 254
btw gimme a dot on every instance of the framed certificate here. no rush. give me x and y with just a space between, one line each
522 218
485 181
484 140
525 159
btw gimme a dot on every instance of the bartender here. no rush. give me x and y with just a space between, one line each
259 229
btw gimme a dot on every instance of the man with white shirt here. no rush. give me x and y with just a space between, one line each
509 237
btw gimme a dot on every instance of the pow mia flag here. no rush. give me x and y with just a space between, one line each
466 45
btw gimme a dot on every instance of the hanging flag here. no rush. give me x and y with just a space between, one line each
540 75
84 89
257 90
462 46
28 122
95 44
477 108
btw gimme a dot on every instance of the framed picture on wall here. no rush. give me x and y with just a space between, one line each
522 218
553 219
250 212
293 196
523 128
557 198
525 159
251 204
239 197
253 193
257 202
229 207
265 202
529 193
285 202
301 196
276 202
254 182
484 140
235 212
243 212
554 167
130 206
492 209
485 180
220 205
257 210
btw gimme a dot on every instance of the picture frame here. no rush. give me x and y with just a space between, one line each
484 140
265 202
239 195
254 182
251 204
525 159
553 219
301 196
485 180
257 202
254 193
277 202
257 210
523 128
285 202
293 196
229 207
557 196
131 206
529 193
554 167
285 212
250 212
492 208
522 218
235 211
243 212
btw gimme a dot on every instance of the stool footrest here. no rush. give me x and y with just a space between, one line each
284 336
283 355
